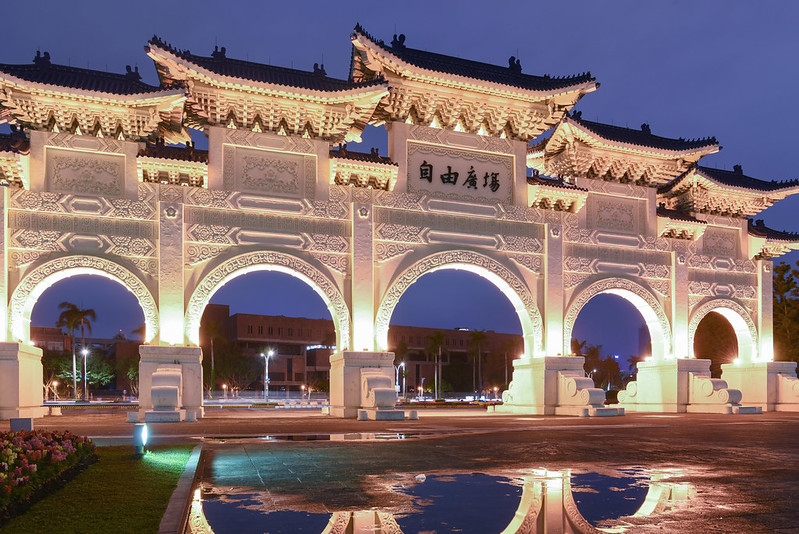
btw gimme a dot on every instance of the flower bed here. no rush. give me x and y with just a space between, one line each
30 462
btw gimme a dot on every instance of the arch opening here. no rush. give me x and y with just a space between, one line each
643 301
612 335
45 276
434 312
508 283
737 319
715 340
268 261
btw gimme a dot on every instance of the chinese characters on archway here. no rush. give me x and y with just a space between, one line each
471 180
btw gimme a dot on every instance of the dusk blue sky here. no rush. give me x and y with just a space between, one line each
689 69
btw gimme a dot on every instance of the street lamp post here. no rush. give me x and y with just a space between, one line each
266 372
55 390
85 353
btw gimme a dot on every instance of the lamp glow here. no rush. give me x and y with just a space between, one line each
140 437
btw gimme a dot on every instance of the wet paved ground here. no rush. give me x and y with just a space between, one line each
745 468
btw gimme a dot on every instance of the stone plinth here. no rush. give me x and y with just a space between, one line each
189 362
21 390
350 392
772 385
678 386
555 385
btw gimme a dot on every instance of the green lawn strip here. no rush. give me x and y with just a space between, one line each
120 493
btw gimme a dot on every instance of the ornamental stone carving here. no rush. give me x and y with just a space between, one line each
388 250
718 304
43 276
530 318
616 286
268 260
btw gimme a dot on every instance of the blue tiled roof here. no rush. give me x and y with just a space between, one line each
44 72
222 65
509 75
642 136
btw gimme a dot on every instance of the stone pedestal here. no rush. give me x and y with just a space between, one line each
190 361
348 398
772 385
679 386
554 386
21 389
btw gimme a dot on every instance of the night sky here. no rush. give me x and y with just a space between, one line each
689 69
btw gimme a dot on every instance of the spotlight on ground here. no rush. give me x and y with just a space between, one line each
140 438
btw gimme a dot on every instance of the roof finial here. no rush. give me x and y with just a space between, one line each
41 59
515 65
319 70
217 53
398 42
737 169
577 115
645 128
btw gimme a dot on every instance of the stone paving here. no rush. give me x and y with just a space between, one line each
745 468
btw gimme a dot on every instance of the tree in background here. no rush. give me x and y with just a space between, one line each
213 330
476 340
435 342
786 312
238 369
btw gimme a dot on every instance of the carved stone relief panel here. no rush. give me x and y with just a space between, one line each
47 201
72 171
618 215
460 174
720 242
441 136
255 170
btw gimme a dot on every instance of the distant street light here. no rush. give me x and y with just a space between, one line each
85 353
224 388
302 392
266 372
396 380
55 389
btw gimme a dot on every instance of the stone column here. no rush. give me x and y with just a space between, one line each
681 344
765 311
363 279
21 390
170 273
4 264
553 294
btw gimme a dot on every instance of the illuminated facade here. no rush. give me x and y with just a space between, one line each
95 188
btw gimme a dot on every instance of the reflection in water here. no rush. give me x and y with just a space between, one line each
544 501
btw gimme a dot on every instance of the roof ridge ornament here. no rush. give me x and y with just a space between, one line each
42 60
737 169
515 65
132 74
398 43
219 54
646 129
319 70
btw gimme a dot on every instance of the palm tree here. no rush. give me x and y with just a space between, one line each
214 331
476 341
435 342
72 316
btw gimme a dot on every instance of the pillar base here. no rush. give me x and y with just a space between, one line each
773 385
21 375
681 386
554 385
190 361
347 396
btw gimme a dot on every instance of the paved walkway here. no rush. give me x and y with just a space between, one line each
745 467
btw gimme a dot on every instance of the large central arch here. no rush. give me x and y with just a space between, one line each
34 283
741 322
268 261
509 283
644 301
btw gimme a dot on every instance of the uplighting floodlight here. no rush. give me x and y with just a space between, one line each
140 437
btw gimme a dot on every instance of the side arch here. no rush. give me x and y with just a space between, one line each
509 283
268 261
741 322
34 283
639 296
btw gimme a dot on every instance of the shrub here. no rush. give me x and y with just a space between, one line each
30 462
